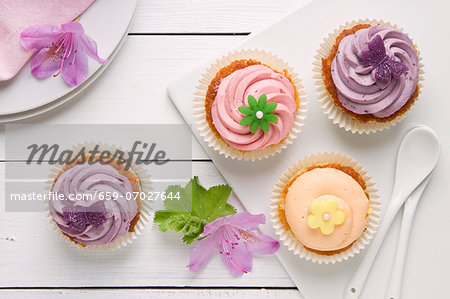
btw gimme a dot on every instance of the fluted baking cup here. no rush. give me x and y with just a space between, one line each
287 237
339 117
144 208
199 111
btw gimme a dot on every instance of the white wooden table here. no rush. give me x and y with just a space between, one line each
167 39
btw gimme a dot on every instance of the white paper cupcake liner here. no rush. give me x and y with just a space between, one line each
218 144
288 238
145 215
333 112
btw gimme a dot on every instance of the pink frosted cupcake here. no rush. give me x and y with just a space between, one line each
251 108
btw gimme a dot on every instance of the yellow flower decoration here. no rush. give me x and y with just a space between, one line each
325 214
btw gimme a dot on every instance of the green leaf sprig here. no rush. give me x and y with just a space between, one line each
195 208
259 114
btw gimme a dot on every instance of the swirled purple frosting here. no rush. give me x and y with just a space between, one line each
84 213
359 88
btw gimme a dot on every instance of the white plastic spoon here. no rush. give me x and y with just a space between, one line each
409 209
417 156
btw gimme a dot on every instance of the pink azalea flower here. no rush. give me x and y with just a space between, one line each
236 239
62 49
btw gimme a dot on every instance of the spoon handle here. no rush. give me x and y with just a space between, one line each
355 286
395 280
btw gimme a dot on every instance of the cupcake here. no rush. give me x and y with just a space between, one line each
369 75
249 105
324 208
96 206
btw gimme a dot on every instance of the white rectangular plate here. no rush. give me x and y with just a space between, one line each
295 39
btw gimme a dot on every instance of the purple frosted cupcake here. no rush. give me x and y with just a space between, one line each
370 75
96 205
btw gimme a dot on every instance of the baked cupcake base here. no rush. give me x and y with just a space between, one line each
328 98
205 94
345 164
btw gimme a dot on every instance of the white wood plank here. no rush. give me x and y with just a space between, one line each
209 16
152 293
133 88
33 255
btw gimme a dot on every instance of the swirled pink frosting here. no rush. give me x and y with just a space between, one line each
233 92
357 88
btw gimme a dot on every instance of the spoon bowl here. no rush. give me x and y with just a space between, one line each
417 156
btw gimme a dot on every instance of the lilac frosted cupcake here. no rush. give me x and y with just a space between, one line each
369 75
96 203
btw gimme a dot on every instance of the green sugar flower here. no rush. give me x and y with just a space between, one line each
259 114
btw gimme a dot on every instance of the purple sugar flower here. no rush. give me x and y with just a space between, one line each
79 217
385 67
62 49
236 239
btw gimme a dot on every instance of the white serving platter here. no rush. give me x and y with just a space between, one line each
107 22
295 38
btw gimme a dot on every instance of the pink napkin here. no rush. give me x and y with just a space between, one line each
16 15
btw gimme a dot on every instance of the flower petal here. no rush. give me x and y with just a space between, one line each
211 227
270 107
331 204
317 207
43 65
235 255
75 71
246 120
262 101
246 221
271 118
243 220
252 102
204 249
262 244
327 227
246 110
73 27
314 221
338 217
264 125
40 36
89 46
254 126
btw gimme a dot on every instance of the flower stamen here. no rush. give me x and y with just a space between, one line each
66 53
227 252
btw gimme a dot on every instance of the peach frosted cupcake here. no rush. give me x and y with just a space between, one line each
325 208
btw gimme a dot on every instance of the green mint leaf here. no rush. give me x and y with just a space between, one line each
196 207
254 126
190 239
252 102
270 107
264 125
246 120
262 101
271 118
216 206
184 203
246 110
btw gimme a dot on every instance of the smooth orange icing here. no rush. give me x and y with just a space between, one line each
319 182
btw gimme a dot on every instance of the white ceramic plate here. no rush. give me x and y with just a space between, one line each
295 39
107 22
